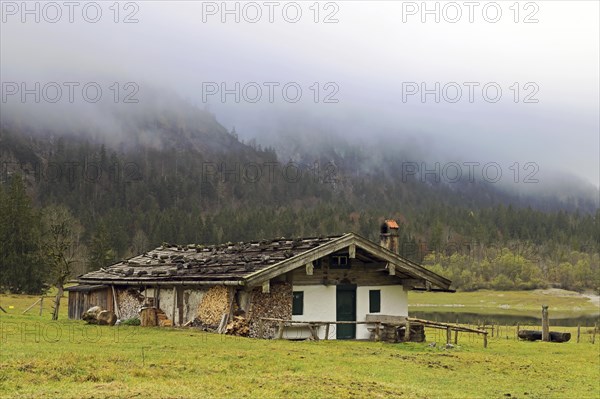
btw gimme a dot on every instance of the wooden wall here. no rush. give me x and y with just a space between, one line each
80 301
359 273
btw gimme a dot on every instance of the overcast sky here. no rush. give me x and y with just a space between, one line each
376 56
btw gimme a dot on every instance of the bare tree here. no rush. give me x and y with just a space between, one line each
61 249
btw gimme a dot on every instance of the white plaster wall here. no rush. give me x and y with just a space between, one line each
394 302
166 299
319 305
191 301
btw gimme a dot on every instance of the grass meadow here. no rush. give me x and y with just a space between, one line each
69 359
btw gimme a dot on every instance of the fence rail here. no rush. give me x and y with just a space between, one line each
313 325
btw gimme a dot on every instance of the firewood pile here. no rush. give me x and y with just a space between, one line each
277 304
238 326
163 320
130 302
215 302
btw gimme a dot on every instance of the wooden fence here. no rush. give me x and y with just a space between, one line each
378 326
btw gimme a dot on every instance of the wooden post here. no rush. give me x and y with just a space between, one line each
455 337
448 335
280 331
407 331
545 324
578 332
378 332
485 340
327 331
174 303
41 305
352 251
266 287
594 333
116 305
518 328
261 326
313 331
27 310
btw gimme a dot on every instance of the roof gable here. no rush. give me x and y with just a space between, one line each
248 264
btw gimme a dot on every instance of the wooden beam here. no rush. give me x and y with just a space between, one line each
266 287
29 308
405 265
391 269
174 303
383 318
313 332
116 305
309 269
352 251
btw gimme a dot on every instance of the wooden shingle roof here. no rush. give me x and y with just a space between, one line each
209 263
247 264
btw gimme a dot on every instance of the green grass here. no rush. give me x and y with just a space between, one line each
137 362
560 303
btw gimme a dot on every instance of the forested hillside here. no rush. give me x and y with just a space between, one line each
195 182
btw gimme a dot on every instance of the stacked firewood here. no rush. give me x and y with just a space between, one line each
163 320
129 303
214 304
277 304
238 326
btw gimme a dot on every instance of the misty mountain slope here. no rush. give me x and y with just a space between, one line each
403 157
165 135
159 121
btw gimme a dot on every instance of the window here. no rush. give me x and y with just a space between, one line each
339 262
374 301
297 303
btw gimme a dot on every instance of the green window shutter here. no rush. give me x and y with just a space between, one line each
374 301
297 303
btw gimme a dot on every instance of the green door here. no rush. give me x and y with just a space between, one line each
346 311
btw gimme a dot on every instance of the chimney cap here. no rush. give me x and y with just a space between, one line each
391 223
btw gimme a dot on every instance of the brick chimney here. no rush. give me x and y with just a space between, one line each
388 237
